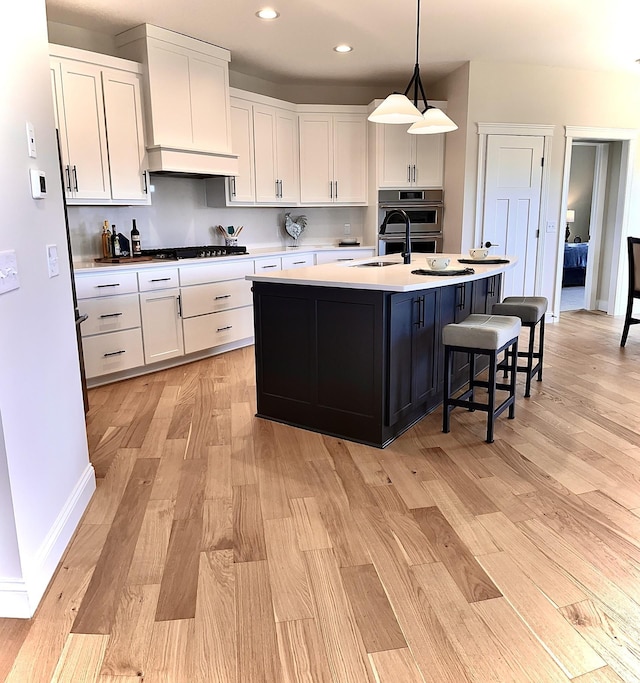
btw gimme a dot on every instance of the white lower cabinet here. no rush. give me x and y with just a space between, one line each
161 325
342 255
215 329
112 352
297 261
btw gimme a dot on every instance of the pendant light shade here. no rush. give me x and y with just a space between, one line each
434 120
400 109
396 108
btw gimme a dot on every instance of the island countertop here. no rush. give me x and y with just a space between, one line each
397 277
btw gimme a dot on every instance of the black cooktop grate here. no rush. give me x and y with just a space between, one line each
209 251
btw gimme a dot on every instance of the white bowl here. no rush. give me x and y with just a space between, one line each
438 262
479 253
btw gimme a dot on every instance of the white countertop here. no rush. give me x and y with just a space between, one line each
80 266
395 278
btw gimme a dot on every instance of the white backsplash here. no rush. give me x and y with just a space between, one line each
179 216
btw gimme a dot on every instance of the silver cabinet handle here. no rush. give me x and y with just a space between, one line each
144 180
409 174
414 173
114 284
336 189
114 353
269 266
222 296
110 315
331 189
75 178
299 263
345 259
68 174
160 279
179 301
224 329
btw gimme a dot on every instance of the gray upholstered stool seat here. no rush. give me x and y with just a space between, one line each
481 331
530 310
484 335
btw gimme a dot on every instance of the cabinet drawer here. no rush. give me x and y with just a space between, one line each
109 314
112 352
106 284
214 272
218 296
342 255
208 331
265 265
165 278
297 261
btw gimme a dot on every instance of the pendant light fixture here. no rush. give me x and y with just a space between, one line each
398 108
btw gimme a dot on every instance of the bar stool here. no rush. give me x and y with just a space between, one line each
530 310
487 335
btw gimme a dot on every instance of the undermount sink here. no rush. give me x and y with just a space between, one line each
376 264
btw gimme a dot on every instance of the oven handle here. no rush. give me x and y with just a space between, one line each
411 205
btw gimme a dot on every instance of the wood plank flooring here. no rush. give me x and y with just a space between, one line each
222 548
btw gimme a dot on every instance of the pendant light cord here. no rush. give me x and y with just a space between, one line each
418 35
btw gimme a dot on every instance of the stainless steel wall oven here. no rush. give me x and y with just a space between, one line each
424 208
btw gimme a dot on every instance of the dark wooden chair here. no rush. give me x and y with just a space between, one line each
633 244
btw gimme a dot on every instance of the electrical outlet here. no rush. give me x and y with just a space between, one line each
551 226
52 260
347 228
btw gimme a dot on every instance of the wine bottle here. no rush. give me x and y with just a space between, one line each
115 242
136 248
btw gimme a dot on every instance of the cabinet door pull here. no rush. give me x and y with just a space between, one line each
281 190
114 284
331 189
68 174
414 173
345 259
110 315
179 300
299 263
145 186
224 329
160 279
272 266
114 353
233 186
75 178
336 189
409 173
222 296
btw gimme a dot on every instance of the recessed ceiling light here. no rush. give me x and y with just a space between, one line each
267 13
343 48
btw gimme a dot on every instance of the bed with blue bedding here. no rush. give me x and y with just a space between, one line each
575 264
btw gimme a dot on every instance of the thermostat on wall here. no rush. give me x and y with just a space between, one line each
38 184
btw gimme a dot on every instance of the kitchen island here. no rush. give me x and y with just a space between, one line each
354 350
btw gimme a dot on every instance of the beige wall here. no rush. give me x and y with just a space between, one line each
517 93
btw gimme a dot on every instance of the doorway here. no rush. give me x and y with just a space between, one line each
605 270
586 230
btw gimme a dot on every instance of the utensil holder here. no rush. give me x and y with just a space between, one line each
231 241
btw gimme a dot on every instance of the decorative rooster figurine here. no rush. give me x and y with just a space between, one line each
296 227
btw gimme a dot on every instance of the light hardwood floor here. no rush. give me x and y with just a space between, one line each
227 549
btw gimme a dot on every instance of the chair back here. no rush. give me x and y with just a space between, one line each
634 266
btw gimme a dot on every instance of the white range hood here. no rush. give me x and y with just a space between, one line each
186 101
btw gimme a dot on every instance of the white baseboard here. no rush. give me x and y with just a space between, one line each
19 599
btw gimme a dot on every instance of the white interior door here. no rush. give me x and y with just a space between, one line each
513 183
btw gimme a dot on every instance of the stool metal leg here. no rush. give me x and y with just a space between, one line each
532 335
446 409
492 395
541 347
472 377
512 384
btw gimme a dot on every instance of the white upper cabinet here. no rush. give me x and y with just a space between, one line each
97 103
275 134
83 138
242 188
406 160
123 114
333 158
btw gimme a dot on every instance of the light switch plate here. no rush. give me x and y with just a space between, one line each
31 140
52 260
551 226
8 271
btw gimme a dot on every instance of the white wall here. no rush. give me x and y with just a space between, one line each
517 93
45 449
179 216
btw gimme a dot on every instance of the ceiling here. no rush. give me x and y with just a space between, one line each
297 47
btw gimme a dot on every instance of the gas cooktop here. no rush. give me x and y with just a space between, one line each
210 251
